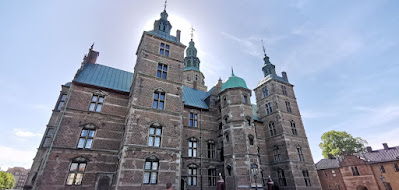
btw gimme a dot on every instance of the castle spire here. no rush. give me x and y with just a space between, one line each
232 71
164 9
192 33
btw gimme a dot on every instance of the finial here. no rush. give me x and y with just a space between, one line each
192 32
232 71
263 45
166 1
91 48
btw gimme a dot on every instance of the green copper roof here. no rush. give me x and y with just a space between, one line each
106 77
234 82
194 97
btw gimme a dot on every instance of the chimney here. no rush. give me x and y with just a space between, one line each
284 74
369 149
91 57
178 35
385 146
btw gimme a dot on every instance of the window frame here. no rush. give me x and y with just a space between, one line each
151 171
246 99
276 154
162 71
77 162
192 175
306 177
288 106
211 147
193 119
164 49
269 108
192 147
355 171
293 127
281 177
212 177
272 128
154 136
396 167
61 102
48 137
382 169
265 91
158 100
97 103
251 140
300 154
86 137
283 90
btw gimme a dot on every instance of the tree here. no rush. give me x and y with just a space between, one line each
338 143
7 180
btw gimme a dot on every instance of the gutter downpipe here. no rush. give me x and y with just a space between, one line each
201 147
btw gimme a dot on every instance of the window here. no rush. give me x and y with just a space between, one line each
211 149
192 147
281 177
192 175
245 100
159 100
276 154
229 169
284 90
248 122
251 139
305 174
86 138
300 154
224 101
288 105
272 129
76 171
388 186
212 177
164 50
61 102
382 169
196 77
265 91
355 171
96 103
150 171
396 167
269 109
333 173
193 120
293 128
162 71
227 137
154 138
47 137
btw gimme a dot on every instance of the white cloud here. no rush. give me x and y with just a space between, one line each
10 157
310 114
22 133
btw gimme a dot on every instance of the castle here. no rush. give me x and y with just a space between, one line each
113 129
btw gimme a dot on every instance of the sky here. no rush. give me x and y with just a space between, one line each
341 56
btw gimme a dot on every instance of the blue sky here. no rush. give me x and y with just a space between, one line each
342 57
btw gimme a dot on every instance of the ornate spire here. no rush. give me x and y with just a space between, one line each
191 61
232 72
164 9
266 58
192 33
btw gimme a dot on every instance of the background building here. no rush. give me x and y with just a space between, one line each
20 175
113 129
373 169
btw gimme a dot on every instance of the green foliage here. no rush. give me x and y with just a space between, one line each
338 143
7 180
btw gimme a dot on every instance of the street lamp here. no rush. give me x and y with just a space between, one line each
254 170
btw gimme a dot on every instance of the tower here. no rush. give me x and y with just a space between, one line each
154 120
240 147
285 153
193 77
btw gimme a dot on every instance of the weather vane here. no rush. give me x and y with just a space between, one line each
166 1
192 32
263 45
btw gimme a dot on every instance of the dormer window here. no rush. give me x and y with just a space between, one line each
164 49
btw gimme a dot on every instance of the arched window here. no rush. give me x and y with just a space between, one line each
281 177
276 154
248 121
251 139
159 100
155 134
192 175
151 170
76 171
192 147
211 149
300 154
86 137
272 129
293 128
306 177
229 169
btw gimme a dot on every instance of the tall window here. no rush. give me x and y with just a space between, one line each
248 122
227 137
61 102
382 169
159 100
281 177
211 149
284 90
212 177
355 171
47 138
76 171
192 147
154 138
151 171
251 139
272 129
288 105
224 101
193 120
265 91
396 167
300 154
306 177
164 49
293 128
245 99
276 154
86 138
96 103
269 109
162 71
229 169
192 175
